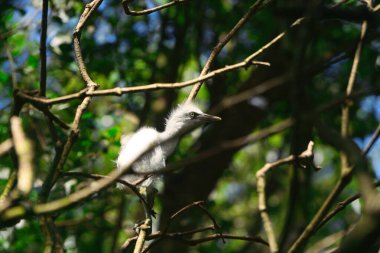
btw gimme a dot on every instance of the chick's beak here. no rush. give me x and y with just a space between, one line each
209 118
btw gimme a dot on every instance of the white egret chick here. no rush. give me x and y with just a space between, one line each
182 120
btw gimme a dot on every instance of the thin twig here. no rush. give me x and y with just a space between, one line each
174 216
306 159
226 236
184 209
8 187
128 11
45 110
193 242
179 236
273 41
216 50
341 205
374 138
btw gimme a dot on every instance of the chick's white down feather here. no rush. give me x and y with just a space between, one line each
182 120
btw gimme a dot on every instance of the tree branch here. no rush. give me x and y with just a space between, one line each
5 146
346 169
45 6
154 86
341 205
346 107
62 156
130 12
24 151
306 159
216 50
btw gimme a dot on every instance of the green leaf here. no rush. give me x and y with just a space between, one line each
17 43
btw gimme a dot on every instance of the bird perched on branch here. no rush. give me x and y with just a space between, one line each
182 120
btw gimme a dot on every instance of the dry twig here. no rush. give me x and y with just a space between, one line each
216 50
304 159
128 11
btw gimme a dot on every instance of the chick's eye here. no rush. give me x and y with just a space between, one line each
192 115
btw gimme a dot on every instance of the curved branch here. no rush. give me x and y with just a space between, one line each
89 9
304 159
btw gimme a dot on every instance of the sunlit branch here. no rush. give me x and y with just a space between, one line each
24 151
19 211
154 86
5 146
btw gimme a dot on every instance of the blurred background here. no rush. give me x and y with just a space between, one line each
307 78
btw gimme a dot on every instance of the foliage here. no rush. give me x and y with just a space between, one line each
312 62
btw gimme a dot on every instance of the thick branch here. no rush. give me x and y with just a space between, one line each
24 151
20 211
